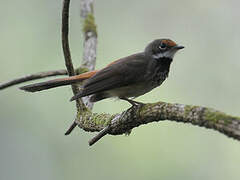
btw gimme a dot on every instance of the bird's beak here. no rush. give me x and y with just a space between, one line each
178 47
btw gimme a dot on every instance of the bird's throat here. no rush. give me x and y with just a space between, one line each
163 64
161 70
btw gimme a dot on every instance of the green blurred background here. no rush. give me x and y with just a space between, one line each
206 72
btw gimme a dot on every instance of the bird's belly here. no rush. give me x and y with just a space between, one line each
130 91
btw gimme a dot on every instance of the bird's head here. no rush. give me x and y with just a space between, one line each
162 48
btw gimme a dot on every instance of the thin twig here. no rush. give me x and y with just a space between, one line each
31 77
70 129
106 129
99 135
65 41
68 60
89 46
66 51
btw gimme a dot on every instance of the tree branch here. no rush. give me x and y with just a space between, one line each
102 133
89 52
65 41
90 40
66 51
135 116
139 115
68 60
31 77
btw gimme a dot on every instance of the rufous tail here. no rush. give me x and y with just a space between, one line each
57 82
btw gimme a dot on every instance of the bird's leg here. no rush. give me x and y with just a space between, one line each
132 102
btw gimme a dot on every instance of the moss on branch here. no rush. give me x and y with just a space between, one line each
139 115
81 70
89 24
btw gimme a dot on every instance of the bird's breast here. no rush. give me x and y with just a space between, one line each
158 77
159 71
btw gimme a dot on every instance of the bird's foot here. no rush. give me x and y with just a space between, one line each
132 102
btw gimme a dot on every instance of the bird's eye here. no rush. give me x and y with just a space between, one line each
163 46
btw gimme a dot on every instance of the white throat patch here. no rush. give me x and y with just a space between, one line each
168 54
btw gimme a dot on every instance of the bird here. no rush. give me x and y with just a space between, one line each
125 78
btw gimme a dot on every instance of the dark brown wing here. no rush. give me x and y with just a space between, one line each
121 73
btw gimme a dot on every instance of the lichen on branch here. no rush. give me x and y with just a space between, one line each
139 115
89 24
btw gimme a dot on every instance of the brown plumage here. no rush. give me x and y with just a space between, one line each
131 76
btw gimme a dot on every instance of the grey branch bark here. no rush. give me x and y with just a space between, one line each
89 50
139 115
135 116
31 77
90 40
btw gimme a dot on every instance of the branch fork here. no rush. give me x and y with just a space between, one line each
136 115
